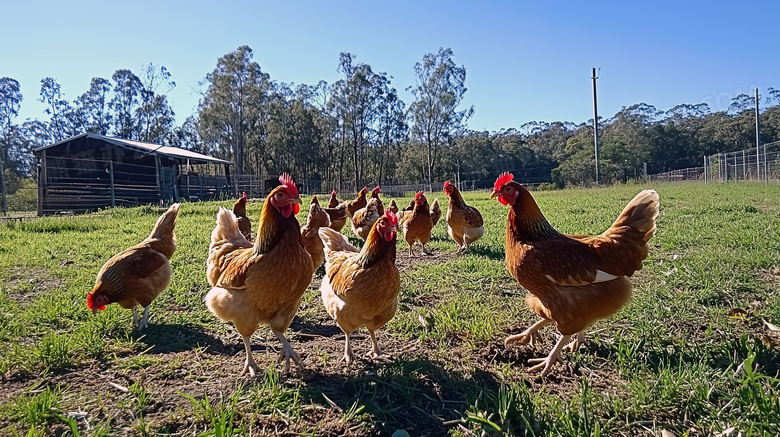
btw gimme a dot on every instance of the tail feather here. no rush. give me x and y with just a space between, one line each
335 241
166 222
640 214
227 229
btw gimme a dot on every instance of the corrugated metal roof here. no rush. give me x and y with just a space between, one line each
173 152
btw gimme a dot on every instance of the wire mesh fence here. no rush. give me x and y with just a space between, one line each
743 165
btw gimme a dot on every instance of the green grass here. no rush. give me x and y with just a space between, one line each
689 353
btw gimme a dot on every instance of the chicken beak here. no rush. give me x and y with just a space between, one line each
296 200
495 194
94 311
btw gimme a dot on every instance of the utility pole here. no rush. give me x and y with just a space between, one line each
758 143
595 124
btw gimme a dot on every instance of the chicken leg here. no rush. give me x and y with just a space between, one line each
375 352
348 355
530 335
249 365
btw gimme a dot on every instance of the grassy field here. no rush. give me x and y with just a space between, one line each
695 352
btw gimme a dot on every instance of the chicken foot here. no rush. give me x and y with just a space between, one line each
555 355
530 335
375 352
250 365
575 344
287 353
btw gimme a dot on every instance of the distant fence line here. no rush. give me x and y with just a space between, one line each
742 165
130 186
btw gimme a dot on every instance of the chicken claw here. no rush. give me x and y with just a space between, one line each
546 364
530 335
288 353
575 344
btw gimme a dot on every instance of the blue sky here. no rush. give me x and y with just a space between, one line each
526 61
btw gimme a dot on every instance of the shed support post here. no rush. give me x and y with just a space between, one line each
111 177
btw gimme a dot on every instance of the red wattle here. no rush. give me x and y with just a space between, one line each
502 200
296 208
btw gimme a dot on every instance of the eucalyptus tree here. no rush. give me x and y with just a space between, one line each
126 100
231 110
439 91
154 116
95 106
10 103
392 131
293 137
354 99
65 120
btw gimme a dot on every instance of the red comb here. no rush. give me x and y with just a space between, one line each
417 196
502 179
334 192
288 183
376 189
244 194
392 218
446 184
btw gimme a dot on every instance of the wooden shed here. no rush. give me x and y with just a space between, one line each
91 171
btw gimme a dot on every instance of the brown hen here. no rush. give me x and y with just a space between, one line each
573 280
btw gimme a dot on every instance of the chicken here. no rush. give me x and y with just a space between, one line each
333 201
338 216
244 224
417 225
393 207
435 211
359 202
264 282
316 219
360 288
573 280
380 207
137 275
464 223
365 218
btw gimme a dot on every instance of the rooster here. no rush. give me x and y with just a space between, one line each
137 275
244 224
464 222
365 218
333 201
417 224
573 280
360 288
316 219
264 282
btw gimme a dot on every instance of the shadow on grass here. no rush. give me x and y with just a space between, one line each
415 395
181 338
497 254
